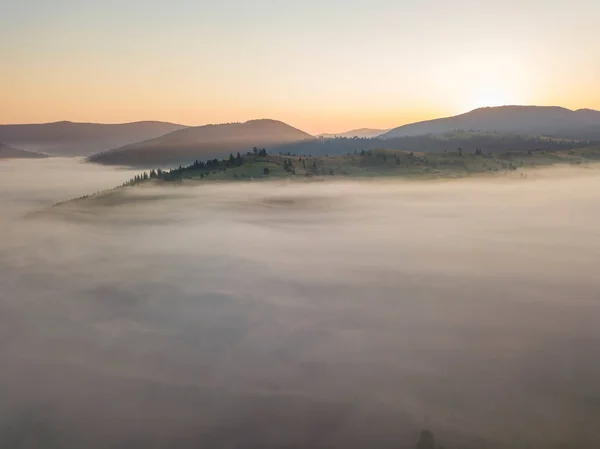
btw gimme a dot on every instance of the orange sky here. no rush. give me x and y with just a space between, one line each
314 64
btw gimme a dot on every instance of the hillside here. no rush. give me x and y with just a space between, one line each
492 142
529 120
8 152
80 139
362 132
202 142
367 164
377 163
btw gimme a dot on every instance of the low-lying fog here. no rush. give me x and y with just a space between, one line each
298 315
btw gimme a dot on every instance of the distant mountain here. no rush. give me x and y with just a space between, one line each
362 132
203 142
8 152
80 139
531 120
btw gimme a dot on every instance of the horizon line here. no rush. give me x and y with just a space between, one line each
278 120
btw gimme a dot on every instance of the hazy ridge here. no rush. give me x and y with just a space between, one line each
203 142
507 128
9 152
80 139
533 120
152 144
362 132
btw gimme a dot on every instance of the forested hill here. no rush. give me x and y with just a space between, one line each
148 156
260 165
467 141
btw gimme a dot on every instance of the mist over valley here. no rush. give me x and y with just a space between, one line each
339 313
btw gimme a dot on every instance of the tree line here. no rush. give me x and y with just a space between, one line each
201 168
489 143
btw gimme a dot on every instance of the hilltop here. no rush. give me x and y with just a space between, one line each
80 139
203 142
528 120
8 152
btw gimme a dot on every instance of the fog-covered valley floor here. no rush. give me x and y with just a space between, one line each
298 315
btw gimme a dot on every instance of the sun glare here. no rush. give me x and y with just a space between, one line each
493 96
499 82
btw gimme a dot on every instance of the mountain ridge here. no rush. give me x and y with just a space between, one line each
360 132
66 138
550 120
204 141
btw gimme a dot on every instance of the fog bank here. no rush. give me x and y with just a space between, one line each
321 315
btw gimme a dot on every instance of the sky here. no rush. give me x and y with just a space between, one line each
320 65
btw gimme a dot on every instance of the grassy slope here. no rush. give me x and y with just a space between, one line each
390 163
377 164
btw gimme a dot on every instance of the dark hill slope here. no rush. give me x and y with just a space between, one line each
203 142
8 152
